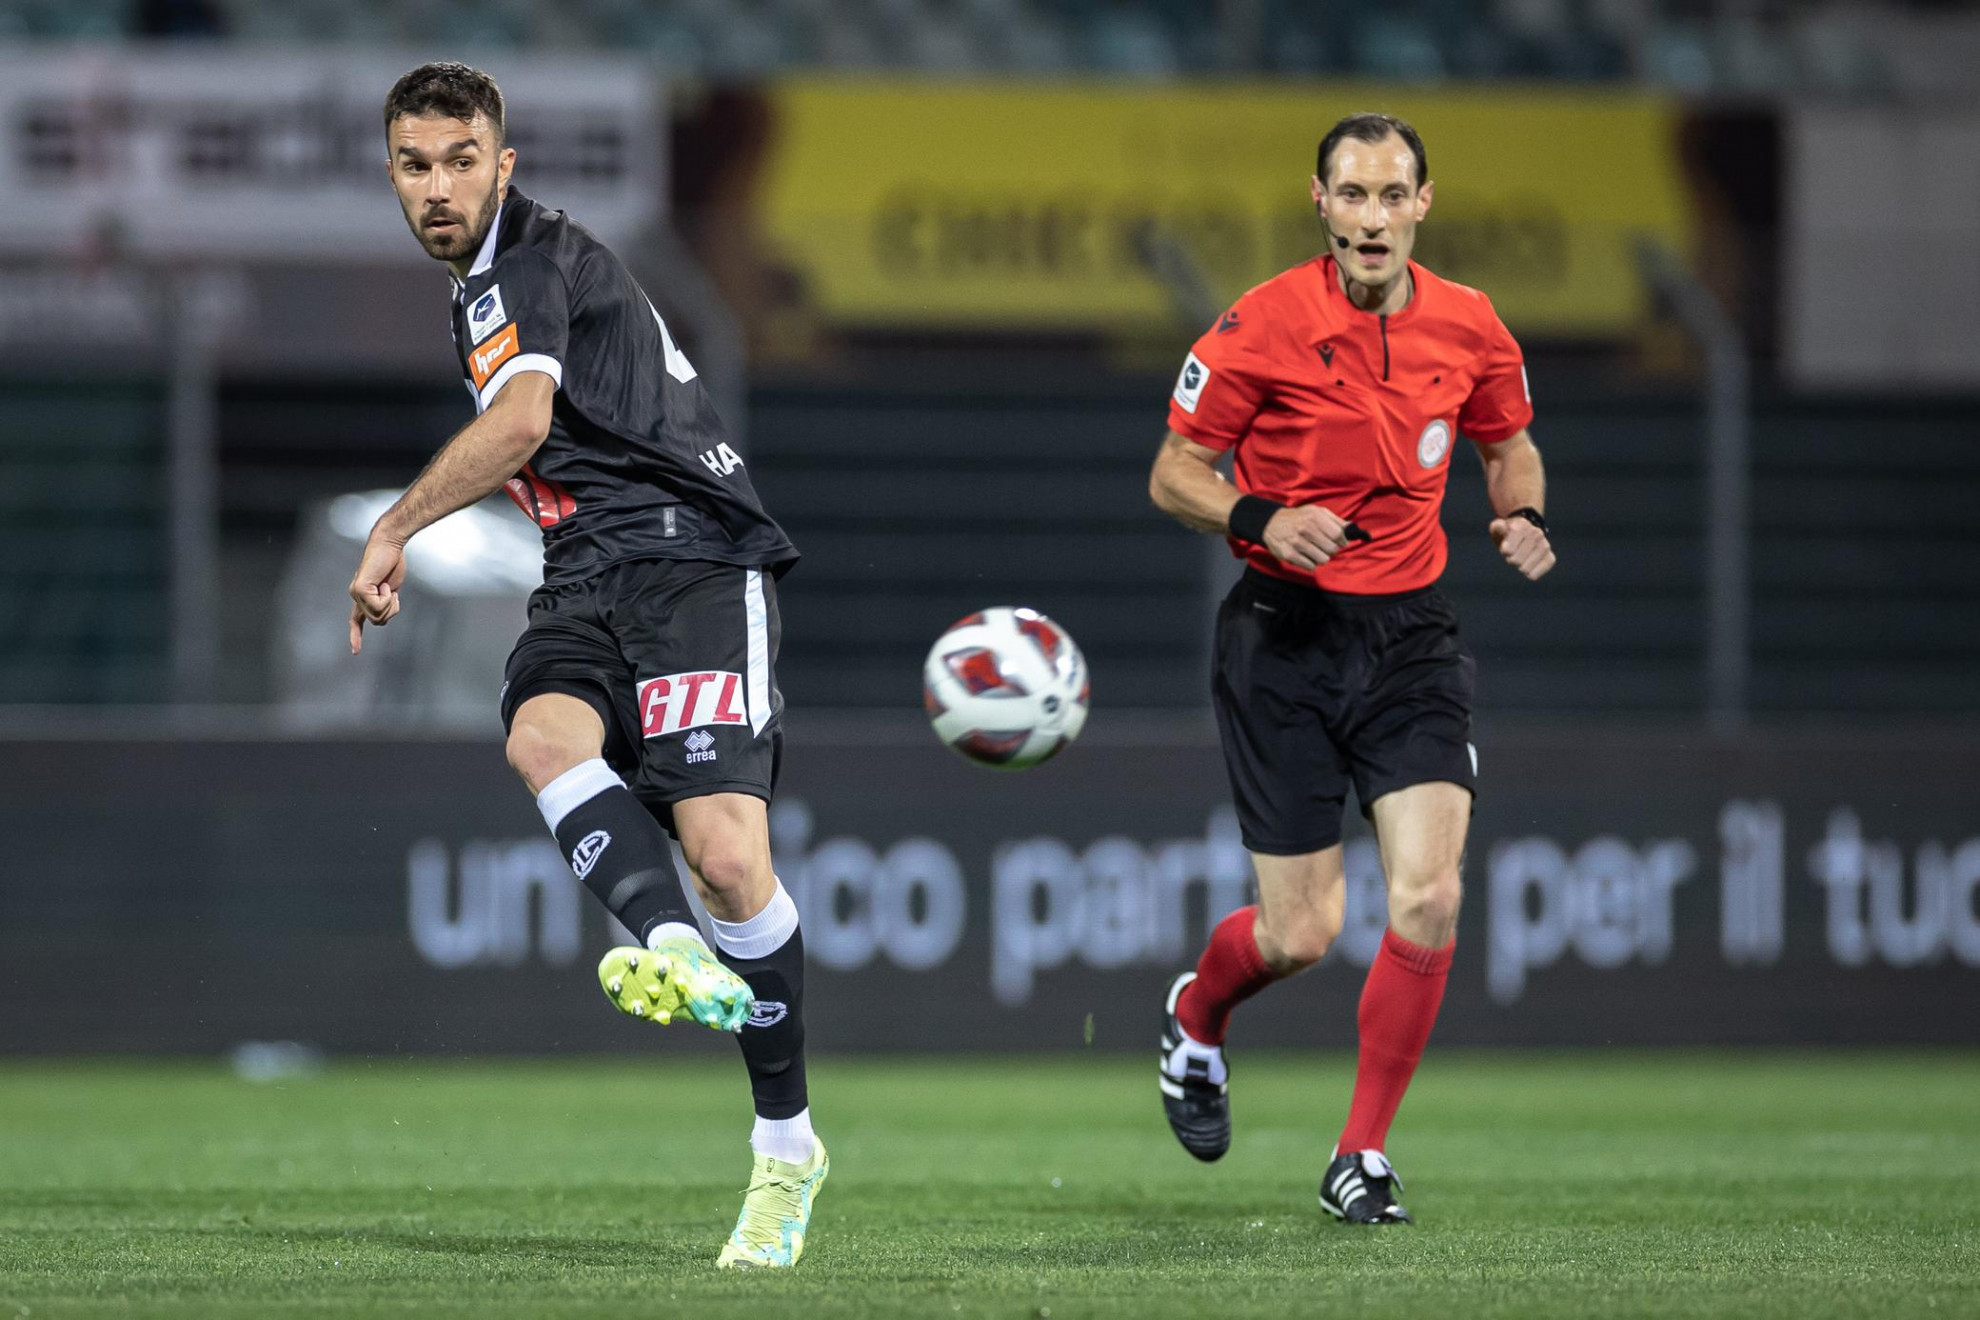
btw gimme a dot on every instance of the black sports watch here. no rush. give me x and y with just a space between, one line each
1531 514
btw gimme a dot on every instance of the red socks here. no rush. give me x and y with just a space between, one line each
1230 971
1398 1007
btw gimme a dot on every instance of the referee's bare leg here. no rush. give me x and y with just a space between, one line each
1300 904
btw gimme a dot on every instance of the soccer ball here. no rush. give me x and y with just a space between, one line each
1005 687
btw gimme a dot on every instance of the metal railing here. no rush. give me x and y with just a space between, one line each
1728 483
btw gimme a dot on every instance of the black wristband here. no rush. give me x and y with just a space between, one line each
1531 515
1249 516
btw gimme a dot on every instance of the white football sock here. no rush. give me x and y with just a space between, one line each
672 930
575 787
764 933
786 1139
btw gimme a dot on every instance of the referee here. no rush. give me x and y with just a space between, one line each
641 699
1340 386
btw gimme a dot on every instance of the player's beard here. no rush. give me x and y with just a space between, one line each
455 244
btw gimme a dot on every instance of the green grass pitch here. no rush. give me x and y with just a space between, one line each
1611 1185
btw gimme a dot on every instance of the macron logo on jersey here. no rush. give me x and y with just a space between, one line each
678 702
486 316
1189 385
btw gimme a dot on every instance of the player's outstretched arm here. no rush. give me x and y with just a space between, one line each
471 466
1186 485
1516 483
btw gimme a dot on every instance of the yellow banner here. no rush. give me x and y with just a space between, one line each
1022 205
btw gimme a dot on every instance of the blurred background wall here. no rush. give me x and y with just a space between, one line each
938 260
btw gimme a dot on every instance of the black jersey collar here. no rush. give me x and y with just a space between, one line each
486 257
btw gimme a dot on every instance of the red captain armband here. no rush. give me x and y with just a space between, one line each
1249 516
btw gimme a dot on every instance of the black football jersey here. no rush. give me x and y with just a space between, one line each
636 465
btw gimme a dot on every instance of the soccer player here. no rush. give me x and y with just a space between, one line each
1340 385
639 701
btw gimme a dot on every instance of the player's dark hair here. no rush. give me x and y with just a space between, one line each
1372 128
450 88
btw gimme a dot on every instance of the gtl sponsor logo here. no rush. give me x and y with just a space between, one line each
675 703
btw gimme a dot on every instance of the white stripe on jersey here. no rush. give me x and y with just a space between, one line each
757 683
678 365
514 367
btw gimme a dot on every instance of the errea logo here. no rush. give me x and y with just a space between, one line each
700 746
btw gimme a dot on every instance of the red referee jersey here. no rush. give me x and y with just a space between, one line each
1327 404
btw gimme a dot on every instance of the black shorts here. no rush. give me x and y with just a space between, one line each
678 658
1316 690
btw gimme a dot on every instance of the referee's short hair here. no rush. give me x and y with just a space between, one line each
450 88
1372 128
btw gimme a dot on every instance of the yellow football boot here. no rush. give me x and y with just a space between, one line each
679 975
776 1210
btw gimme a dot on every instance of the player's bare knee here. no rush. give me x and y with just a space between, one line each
726 864
540 753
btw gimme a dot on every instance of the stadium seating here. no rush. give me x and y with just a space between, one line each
1685 46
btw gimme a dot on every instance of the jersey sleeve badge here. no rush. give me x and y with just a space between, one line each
1189 385
483 362
487 315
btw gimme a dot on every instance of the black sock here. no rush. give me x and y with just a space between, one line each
773 1039
621 854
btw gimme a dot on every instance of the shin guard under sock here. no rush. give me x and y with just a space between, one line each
616 847
1399 1005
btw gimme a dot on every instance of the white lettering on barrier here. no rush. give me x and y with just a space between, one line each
1752 882
1610 900
1119 902
1859 872
854 902
475 911
1116 903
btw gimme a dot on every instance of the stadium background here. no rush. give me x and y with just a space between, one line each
938 261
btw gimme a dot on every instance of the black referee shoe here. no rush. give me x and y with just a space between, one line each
1360 1188
1199 1109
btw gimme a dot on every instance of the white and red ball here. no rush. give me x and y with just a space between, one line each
1006 687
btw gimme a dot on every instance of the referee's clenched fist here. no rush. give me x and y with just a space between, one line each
1524 545
1306 537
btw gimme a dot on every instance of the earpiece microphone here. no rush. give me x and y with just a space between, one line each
1339 241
